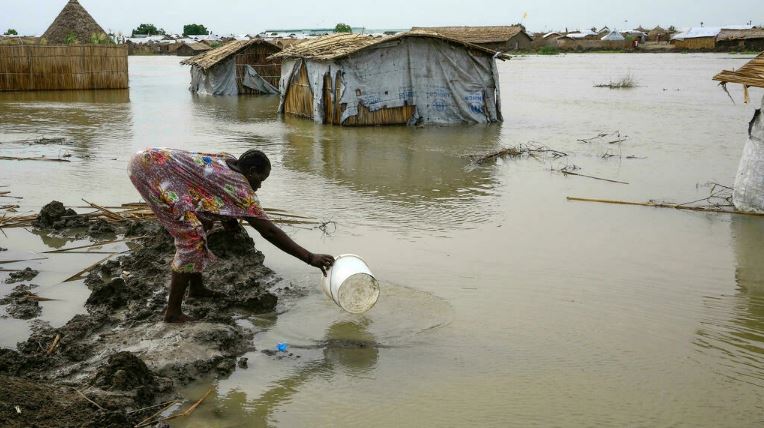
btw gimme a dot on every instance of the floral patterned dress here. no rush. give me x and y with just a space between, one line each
185 188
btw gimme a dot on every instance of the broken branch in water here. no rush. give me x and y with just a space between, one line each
615 137
192 407
568 170
655 204
41 158
531 149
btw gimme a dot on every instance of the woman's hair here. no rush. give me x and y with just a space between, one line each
254 160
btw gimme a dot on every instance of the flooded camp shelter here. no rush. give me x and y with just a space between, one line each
499 38
749 75
68 59
410 78
238 67
191 49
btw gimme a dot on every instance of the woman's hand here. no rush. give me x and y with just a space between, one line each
321 261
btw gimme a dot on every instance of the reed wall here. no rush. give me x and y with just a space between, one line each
36 68
299 96
256 56
696 43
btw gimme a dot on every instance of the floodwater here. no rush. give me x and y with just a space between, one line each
503 304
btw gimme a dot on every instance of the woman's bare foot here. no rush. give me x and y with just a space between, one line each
176 318
203 293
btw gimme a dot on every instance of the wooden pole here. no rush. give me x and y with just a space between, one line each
664 205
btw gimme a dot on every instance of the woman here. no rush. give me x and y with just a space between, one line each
188 191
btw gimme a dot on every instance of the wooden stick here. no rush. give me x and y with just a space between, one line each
108 213
191 408
91 401
2 262
97 244
53 345
79 274
42 158
663 205
150 419
151 407
590 176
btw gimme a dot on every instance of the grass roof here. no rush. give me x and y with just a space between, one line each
485 34
751 74
214 56
73 19
340 45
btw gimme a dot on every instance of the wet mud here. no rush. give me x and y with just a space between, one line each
121 354
21 303
23 275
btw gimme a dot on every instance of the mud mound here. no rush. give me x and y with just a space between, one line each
25 403
124 371
21 303
22 275
54 215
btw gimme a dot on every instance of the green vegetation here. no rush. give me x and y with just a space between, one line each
71 39
11 32
548 50
342 28
148 29
195 30
627 82
100 39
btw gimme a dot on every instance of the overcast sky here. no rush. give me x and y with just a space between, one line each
32 17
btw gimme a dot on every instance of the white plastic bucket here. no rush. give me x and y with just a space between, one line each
350 284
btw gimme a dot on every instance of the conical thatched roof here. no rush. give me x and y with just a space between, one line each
73 19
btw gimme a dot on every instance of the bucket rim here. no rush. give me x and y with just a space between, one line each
350 255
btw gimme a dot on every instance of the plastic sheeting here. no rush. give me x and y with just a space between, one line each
447 84
749 182
254 81
218 80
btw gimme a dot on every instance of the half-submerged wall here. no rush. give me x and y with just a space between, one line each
81 67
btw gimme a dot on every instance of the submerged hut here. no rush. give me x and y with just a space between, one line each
240 67
498 38
749 75
411 78
191 49
74 25
77 54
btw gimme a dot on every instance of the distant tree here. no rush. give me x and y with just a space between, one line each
11 32
149 29
672 29
342 28
195 30
594 29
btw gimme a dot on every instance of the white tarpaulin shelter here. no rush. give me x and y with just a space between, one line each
412 78
749 181
239 67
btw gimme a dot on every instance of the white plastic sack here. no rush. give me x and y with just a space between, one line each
749 182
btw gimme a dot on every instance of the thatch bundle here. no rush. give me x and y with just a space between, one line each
751 74
340 45
208 59
73 20
485 34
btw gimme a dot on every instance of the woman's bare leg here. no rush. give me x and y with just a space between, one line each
178 286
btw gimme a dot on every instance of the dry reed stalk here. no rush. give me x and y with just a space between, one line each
41 158
79 274
107 212
91 401
664 205
53 345
153 418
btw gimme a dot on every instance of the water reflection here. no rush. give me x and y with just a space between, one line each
243 109
105 96
733 326
424 175
347 346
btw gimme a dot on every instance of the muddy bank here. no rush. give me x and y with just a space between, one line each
121 354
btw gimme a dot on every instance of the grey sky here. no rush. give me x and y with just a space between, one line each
249 16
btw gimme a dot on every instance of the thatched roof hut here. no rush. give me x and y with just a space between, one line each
191 49
658 34
239 67
411 78
73 25
751 74
498 38
750 39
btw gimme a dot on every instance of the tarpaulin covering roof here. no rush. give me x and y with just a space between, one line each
486 34
343 44
751 74
698 32
214 56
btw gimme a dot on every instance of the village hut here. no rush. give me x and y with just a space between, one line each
77 55
410 78
696 38
613 36
191 49
751 40
658 34
239 67
748 192
497 38
73 25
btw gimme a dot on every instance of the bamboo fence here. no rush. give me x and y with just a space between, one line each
34 68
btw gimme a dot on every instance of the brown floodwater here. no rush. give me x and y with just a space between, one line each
502 303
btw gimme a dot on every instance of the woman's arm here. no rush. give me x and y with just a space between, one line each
277 237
